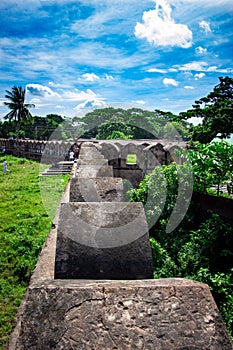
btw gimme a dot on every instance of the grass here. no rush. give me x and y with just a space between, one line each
27 206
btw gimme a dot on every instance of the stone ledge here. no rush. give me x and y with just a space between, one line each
164 314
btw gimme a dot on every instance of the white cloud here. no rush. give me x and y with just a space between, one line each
156 70
139 102
162 71
202 66
196 66
79 95
199 76
168 81
45 96
91 103
201 51
161 30
108 77
188 87
42 91
90 77
205 26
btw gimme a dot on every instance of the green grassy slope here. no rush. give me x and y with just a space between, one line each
24 225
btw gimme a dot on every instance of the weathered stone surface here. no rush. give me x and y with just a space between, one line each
90 151
134 176
94 170
107 240
100 189
165 314
109 150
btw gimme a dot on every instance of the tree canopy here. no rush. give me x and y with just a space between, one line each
19 109
216 111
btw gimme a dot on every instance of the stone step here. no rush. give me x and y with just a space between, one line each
54 173
62 167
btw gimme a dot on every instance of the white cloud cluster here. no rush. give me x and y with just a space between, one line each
92 77
202 66
201 51
42 91
169 81
161 30
199 76
74 100
205 26
162 71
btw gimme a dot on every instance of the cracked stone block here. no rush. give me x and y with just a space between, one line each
102 189
106 240
164 314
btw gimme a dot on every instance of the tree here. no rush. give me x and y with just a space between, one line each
216 111
114 124
119 135
19 109
212 165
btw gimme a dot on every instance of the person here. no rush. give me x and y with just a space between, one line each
66 155
3 150
71 155
5 169
76 152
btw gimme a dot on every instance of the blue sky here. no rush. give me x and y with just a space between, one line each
72 56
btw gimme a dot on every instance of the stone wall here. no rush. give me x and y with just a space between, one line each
99 234
113 150
92 287
49 151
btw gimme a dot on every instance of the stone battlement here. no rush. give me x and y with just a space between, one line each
93 285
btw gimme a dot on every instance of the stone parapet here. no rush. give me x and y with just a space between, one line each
92 287
164 314
100 189
93 171
103 240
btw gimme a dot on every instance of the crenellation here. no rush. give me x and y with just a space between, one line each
93 285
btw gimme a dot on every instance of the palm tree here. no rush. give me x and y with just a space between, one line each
19 109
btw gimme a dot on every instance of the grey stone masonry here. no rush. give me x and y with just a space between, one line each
166 314
92 171
99 189
91 163
93 286
107 240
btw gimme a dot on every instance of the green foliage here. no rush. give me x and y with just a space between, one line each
210 246
101 123
11 294
158 191
221 285
212 165
174 130
200 247
114 124
24 226
164 267
141 124
19 110
40 128
118 135
216 111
